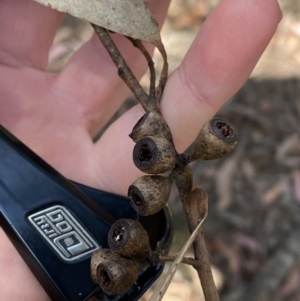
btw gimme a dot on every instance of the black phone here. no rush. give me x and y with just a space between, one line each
56 224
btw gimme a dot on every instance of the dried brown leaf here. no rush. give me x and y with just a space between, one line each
128 17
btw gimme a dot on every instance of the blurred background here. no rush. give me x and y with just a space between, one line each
253 228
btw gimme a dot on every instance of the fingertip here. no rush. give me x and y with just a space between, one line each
229 45
220 60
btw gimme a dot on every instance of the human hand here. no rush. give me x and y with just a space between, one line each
57 115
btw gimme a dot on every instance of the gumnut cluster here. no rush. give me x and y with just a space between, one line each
155 153
117 269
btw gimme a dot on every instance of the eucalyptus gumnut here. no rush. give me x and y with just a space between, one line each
115 274
150 193
154 155
128 238
151 124
217 138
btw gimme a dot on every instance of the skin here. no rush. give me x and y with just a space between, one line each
57 115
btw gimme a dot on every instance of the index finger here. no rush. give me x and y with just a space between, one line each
219 61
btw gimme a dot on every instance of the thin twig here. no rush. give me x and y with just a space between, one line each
191 204
123 69
164 71
186 260
138 44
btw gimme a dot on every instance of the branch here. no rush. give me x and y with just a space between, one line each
186 260
164 72
139 45
123 69
192 202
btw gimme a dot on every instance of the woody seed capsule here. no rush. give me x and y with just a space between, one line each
128 238
112 272
149 194
154 155
217 138
151 124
